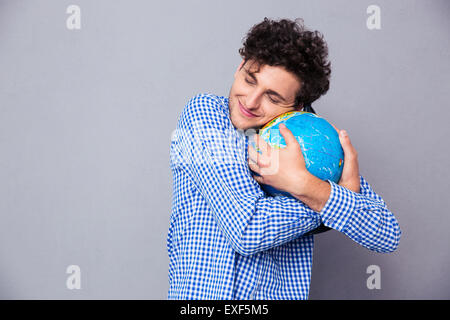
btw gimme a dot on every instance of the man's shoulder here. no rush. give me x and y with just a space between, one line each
206 101
207 108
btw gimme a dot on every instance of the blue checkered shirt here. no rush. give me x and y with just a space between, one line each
227 239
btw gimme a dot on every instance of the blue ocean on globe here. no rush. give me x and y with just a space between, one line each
319 141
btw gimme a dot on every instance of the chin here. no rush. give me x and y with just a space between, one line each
239 125
238 120
246 126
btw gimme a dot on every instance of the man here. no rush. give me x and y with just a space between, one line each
227 239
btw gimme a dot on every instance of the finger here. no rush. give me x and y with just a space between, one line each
263 162
252 154
252 141
259 159
287 135
349 150
254 167
263 146
259 179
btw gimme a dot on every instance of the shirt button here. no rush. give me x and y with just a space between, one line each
330 221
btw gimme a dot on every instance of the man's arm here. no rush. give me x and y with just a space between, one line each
364 218
350 206
214 157
318 193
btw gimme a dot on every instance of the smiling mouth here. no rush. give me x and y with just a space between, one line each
245 112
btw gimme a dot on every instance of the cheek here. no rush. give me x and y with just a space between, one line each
272 114
239 88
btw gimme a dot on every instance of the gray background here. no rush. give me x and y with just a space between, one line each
86 118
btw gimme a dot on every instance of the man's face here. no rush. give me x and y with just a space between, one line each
258 96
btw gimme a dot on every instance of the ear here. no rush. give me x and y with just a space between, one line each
239 68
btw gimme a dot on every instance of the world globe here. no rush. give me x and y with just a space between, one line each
319 142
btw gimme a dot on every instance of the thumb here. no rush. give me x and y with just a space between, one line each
349 150
287 135
350 172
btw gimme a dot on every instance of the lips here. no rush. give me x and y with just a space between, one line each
245 112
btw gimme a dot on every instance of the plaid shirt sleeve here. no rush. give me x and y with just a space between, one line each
214 155
364 217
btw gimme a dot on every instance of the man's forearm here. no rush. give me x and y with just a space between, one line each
317 194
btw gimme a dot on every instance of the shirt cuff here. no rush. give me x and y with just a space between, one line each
339 207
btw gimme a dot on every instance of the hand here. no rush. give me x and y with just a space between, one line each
283 169
350 173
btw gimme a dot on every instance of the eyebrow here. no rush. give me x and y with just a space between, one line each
269 91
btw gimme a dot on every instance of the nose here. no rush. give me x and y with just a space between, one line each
253 100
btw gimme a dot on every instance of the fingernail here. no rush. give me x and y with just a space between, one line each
344 133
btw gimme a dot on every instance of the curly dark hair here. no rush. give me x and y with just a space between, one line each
289 44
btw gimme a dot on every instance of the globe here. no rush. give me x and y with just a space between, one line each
319 141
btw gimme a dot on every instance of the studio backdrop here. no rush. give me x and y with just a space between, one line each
90 93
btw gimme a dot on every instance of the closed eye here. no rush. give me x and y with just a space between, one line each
248 81
274 101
